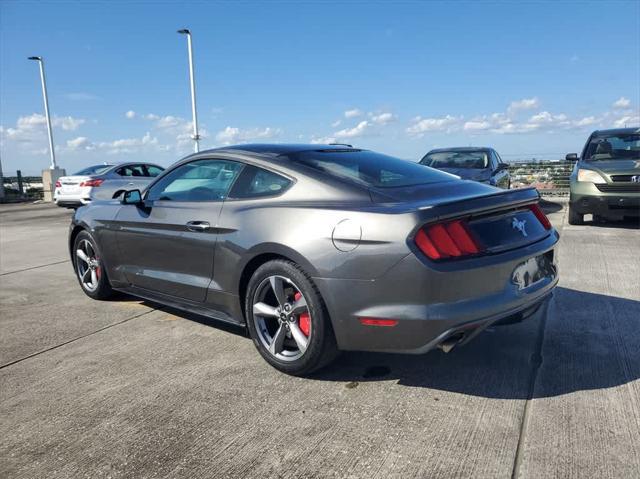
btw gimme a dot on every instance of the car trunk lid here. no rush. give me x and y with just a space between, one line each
497 220
71 184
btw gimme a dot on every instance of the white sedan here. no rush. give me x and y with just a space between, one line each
103 182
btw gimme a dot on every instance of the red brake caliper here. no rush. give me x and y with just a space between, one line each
98 272
304 320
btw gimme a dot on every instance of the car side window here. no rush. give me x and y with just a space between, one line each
200 180
494 160
256 182
131 170
153 170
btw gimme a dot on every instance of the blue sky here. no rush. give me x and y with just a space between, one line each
530 79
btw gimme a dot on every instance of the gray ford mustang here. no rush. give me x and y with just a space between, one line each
318 249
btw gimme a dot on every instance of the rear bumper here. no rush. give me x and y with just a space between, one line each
433 306
71 200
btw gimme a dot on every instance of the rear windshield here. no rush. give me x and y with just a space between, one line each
93 170
370 169
614 147
456 159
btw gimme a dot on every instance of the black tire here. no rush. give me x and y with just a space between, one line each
575 218
321 348
103 289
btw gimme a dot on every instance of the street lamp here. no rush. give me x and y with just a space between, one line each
195 137
46 111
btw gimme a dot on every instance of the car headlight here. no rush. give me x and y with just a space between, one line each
590 176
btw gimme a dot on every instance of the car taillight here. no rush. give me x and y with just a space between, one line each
92 183
451 239
542 218
58 184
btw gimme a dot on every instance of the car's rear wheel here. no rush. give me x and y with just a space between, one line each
575 218
287 319
89 267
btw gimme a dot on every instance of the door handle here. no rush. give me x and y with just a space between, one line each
198 225
132 183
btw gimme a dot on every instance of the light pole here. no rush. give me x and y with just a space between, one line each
46 111
196 137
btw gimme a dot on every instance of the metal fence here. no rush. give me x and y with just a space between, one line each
22 188
551 178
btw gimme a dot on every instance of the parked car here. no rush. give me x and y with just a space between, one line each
317 249
101 182
605 180
469 163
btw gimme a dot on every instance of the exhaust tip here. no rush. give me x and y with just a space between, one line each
451 342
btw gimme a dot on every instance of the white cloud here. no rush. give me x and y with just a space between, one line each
353 113
323 140
169 121
544 117
336 124
382 118
586 121
79 143
232 135
359 130
524 104
622 103
31 129
124 145
130 114
627 121
180 129
477 125
421 125
37 120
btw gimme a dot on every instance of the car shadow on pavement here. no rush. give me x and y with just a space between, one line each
550 206
627 223
588 341
197 318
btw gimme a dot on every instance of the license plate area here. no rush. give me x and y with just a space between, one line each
534 270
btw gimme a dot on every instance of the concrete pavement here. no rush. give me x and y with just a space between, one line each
124 389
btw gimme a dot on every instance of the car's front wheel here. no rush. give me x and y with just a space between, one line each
89 267
287 319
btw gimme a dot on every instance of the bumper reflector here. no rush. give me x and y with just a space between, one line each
378 322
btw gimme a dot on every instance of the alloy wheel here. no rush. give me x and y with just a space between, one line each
282 318
88 265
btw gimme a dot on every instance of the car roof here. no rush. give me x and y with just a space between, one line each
280 148
461 148
616 131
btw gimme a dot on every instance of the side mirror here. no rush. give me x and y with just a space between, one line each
132 197
571 157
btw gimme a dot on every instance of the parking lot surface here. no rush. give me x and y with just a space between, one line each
126 388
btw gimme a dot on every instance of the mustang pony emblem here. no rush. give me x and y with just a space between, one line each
517 224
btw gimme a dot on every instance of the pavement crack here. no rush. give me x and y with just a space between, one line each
34 267
536 362
11 363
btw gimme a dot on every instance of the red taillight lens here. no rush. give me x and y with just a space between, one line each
542 218
378 322
92 183
446 240
58 184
